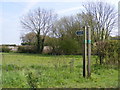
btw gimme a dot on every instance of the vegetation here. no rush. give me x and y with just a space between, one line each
28 39
4 49
46 71
101 17
40 22
64 68
27 49
107 51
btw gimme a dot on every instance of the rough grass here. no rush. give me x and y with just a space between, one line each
47 71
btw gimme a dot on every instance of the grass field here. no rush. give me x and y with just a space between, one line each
47 71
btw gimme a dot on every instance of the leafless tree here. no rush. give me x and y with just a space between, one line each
105 16
86 19
66 26
39 21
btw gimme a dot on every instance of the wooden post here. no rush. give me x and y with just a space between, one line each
89 51
85 52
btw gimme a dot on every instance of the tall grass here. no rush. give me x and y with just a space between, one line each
44 71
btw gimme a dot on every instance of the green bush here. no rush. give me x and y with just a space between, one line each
107 51
69 46
27 49
5 49
111 53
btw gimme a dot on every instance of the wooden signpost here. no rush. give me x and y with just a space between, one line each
84 51
86 33
89 51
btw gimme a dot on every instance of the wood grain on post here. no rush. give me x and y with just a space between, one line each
85 51
89 51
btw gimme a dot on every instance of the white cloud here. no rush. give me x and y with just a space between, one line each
114 33
69 10
111 1
42 0
29 6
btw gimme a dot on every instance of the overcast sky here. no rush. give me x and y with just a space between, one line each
12 11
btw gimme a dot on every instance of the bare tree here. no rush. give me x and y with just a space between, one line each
66 26
39 21
105 16
86 19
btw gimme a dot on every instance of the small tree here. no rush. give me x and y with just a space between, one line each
100 50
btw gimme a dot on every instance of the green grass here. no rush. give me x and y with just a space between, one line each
47 71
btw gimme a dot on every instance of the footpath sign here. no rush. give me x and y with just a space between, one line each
86 33
79 32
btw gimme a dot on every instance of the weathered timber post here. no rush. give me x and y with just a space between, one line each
85 52
89 51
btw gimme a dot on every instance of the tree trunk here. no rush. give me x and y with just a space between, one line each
42 45
38 43
101 60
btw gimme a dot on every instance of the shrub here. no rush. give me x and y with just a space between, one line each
69 46
107 51
27 49
111 53
4 49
